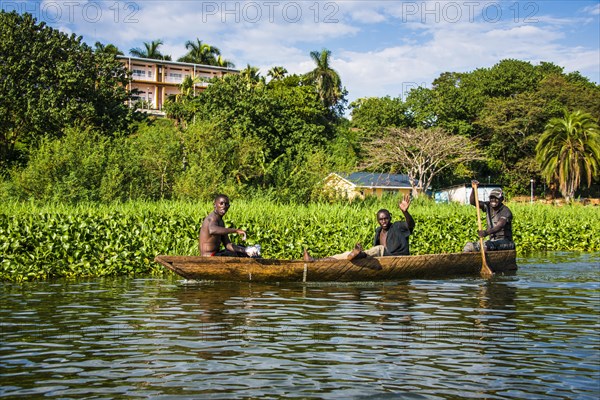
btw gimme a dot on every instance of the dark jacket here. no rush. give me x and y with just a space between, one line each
397 239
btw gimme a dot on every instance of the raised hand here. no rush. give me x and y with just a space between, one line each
404 203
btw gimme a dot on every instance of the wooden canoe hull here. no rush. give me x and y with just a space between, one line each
366 269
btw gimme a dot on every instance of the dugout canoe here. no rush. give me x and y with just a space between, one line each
366 269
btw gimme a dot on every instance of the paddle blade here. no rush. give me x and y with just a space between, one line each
486 271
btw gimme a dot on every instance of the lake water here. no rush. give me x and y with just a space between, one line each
532 335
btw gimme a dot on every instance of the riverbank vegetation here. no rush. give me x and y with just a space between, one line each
132 186
67 134
40 242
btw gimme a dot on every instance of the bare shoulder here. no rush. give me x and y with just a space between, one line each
210 217
213 219
208 220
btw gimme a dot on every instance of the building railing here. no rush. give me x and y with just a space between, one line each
167 79
142 77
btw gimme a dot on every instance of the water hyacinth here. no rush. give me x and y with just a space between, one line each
40 242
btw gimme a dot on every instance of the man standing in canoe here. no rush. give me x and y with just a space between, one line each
499 223
391 239
213 233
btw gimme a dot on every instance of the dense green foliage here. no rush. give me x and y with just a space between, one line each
373 113
66 241
504 109
243 135
161 161
50 81
66 133
569 151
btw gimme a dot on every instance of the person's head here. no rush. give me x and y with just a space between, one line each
221 204
384 218
496 198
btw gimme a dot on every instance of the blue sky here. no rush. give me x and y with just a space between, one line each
379 48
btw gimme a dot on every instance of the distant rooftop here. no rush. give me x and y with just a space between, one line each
176 63
377 180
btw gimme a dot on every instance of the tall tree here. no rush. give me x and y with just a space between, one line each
221 62
371 114
107 49
251 74
326 80
277 73
420 153
568 149
150 51
50 81
200 53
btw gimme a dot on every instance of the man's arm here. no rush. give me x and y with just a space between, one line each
218 229
404 204
499 226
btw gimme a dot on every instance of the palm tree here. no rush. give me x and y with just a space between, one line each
187 87
200 53
150 51
569 148
107 49
326 80
221 62
251 74
277 73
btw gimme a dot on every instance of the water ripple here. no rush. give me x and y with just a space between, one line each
531 336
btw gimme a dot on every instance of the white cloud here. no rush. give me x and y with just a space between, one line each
378 47
593 9
367 16
457 47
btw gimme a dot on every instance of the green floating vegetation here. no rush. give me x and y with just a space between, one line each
41 242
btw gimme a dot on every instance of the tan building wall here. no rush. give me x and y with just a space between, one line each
156 80
344 188
341 187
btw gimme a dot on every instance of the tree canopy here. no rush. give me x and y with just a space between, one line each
325 79
150 50
50 81
504 108
422 153
375 113
203 53
569 150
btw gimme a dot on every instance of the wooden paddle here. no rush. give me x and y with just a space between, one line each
486 271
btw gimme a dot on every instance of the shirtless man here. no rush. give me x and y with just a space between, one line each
213 233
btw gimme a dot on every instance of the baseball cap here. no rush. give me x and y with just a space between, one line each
497 193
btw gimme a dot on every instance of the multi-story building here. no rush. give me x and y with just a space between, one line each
153 81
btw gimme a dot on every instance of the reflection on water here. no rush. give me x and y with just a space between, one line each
532 335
